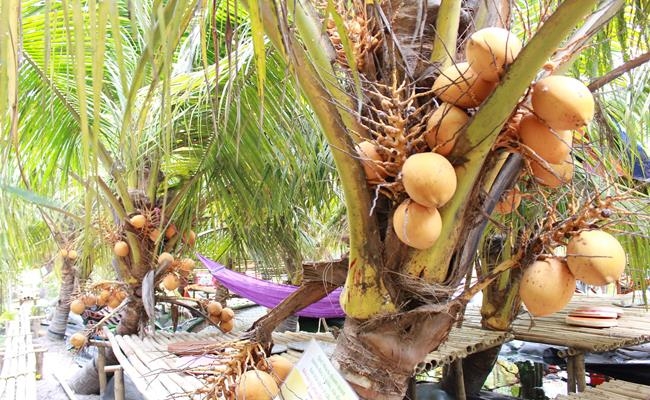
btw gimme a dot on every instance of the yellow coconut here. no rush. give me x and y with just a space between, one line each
170 231
154 234
227 314
103 297
72 254
553 146
189 238
490 50
214 308
595 257
171 282
121 248
561 173
187 265
563 102
547 286
227 326
461 86
416 225
165 257
429 179
77 306
138 221
280 367
78 340
371 161
443 128
509 201
256 385
89 299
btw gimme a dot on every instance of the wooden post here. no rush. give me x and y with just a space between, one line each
580 374
571 374
39 362
101 371
460 379
118 379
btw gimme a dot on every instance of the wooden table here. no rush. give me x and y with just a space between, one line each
156 372
633 328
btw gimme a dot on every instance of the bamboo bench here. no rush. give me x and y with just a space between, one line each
612 390
19 366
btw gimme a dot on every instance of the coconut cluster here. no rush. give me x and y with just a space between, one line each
224 317
178 271
593 256
99 295
428 178
263 383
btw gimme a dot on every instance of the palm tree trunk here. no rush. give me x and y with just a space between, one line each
59 321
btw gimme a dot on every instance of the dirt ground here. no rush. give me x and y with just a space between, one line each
58 362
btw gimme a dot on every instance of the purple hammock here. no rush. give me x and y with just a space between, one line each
269 294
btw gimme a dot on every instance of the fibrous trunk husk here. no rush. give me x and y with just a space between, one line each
59 321
378 356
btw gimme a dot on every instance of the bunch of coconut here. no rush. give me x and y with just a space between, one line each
224 317
151 227
178 270
593 256
68 254
264 382
560 105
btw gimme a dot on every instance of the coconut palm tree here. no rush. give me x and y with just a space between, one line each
181 112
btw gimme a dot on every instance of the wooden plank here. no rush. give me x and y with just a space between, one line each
158 370
140 383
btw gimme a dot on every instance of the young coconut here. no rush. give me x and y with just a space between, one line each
547 286
154 234
461 86
256 385
429 179
416 225
214 308
171 231
78 340
595 257
227 326
72 255
551 145
559 175
280 367
490 50
227 314
77 306
121 248
165 257
563 102
171 282
510 201
138 221
90 300
370 160
443 128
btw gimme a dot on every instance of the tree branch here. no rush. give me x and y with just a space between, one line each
618 71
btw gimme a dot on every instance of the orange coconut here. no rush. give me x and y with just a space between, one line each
443 128
371 161
256 385
490 50
461 86
595 257
416 225
563 102
78 340
171 282
138 221
561 173
121 248
165 257
553 146
509 201
77 306
280 367
547 286
214 308
429 179
227 326
227 314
